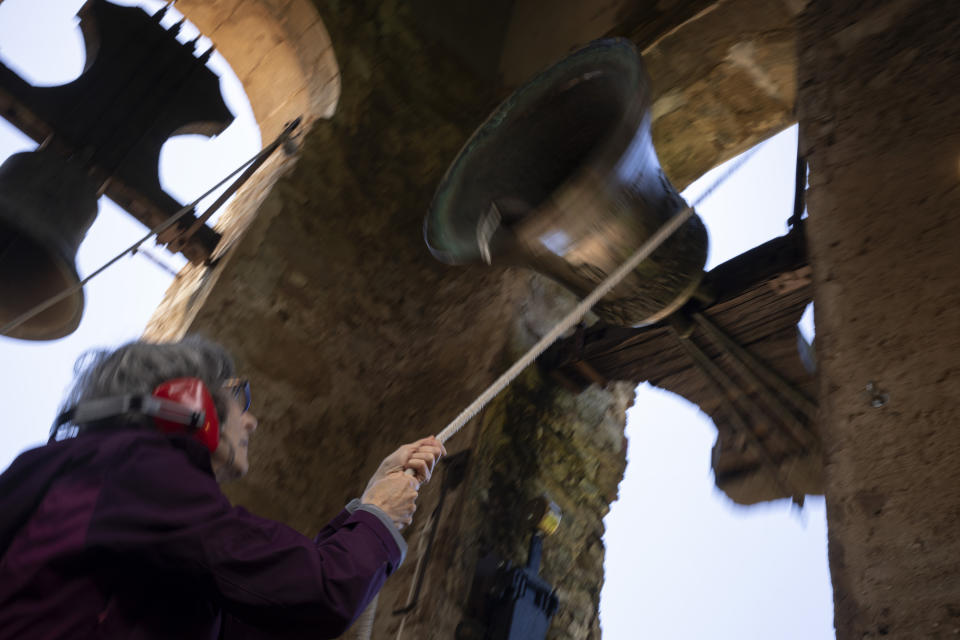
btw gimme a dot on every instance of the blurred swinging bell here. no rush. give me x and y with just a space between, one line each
563 179
47 204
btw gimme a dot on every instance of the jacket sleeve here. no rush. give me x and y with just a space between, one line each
159 510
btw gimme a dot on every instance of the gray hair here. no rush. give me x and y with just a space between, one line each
139 367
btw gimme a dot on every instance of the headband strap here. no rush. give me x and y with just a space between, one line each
147 405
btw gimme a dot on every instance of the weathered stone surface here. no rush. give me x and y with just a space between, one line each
279 50
541 32
333 301
880 124
535 440
357 340
282 54
723 82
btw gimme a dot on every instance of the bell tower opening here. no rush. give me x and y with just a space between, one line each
682 559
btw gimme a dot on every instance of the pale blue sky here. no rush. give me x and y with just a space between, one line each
683 561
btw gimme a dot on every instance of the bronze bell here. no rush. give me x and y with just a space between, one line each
563 178
47 204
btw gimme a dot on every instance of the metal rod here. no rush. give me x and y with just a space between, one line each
49 302
155 260
182 238
800 187
589 372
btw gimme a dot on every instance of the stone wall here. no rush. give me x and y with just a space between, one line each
332 300
880 123
723 81
534 440
281 52
357 340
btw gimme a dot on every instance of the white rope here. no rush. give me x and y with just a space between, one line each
575 316
365 621
571 319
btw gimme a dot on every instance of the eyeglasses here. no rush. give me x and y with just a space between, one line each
239 388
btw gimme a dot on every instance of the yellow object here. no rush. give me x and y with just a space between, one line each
550 521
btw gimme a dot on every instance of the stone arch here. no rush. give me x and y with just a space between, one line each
283 56
280 51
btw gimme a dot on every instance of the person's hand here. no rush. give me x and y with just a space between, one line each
396 495
420 456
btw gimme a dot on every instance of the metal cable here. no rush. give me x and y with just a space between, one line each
46 304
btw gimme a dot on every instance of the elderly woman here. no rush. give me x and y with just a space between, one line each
118 528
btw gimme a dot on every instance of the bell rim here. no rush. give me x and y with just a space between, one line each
54 221
607 49
76 300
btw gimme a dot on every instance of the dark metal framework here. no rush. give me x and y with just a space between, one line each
140 87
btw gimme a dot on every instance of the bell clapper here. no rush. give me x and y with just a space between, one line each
487 225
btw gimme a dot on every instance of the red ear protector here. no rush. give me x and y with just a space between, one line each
192 394
183 405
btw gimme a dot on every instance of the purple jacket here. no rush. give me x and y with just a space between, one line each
126 534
